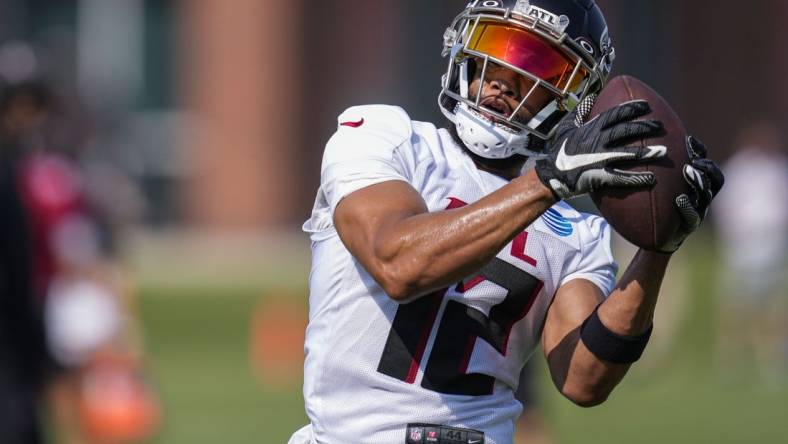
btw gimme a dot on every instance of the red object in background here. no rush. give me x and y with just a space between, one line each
116 404
277 340
51 189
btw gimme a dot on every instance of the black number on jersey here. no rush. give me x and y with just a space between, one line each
460 326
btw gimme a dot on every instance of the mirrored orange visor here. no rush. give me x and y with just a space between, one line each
527 51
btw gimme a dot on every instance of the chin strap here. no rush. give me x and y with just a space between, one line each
488 139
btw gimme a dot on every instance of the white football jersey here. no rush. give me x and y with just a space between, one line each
453 357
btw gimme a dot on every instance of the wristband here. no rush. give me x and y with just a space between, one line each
609 346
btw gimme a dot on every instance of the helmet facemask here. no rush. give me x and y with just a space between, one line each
559 72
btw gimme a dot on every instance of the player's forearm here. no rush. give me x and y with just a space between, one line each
628 311
432 250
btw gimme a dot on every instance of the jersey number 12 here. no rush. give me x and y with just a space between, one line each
460 326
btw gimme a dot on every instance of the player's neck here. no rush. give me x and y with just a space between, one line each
509 168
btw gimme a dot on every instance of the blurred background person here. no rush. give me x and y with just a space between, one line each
97 392
22 343
752 221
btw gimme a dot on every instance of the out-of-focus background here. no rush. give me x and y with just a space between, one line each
196 129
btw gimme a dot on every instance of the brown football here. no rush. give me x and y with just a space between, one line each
646 217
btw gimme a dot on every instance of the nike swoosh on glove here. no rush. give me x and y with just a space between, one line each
580 155
705 180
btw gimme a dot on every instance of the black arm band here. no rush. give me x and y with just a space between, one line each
609 346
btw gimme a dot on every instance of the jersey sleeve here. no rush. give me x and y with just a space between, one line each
594 259
366 149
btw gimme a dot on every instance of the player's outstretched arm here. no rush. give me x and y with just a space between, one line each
411 252
590 344
580 374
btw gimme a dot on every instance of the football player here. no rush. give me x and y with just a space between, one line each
441 257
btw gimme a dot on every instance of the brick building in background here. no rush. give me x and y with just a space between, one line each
224 107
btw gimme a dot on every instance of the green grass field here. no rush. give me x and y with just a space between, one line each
197 344
197 340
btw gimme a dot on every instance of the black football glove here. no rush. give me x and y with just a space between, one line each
705 180
580 154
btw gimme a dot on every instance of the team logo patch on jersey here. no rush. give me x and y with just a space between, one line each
557 223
